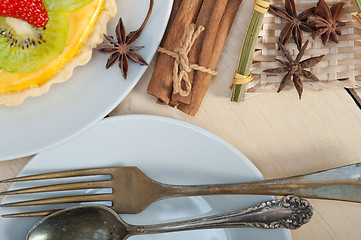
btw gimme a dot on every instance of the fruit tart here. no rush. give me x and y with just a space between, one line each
42 41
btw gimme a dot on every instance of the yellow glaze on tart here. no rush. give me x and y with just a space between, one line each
86 28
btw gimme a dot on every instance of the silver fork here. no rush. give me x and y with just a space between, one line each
133 191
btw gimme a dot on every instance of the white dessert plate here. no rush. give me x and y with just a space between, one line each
71 107
166 150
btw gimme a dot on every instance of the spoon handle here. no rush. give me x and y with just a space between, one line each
289 212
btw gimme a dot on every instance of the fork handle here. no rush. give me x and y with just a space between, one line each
289 212
343 183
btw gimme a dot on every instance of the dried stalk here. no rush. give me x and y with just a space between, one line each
249 45
358 5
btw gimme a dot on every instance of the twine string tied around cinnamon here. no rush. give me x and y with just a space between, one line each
181 66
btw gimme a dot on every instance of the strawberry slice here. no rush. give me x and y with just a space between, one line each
31 11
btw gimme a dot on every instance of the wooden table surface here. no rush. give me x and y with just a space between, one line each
280 134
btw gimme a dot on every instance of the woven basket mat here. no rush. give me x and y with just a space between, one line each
341 66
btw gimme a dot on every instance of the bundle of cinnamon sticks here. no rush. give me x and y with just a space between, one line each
216 16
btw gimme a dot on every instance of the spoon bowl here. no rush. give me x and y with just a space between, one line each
80 223
95 222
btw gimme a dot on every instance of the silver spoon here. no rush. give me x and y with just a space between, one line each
102 223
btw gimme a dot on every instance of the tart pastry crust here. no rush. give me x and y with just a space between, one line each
83 57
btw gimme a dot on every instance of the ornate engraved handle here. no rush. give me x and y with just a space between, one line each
289 212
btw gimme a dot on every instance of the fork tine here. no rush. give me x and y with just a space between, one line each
60 200
30 214
62 174
60 187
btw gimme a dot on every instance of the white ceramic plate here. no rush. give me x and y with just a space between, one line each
71 107
166 150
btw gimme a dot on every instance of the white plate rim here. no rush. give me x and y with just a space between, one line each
101 114
182 123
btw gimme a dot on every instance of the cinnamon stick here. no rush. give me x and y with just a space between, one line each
209 58
161 83
203 19
175 7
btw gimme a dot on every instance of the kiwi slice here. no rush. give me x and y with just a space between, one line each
25 48
64 5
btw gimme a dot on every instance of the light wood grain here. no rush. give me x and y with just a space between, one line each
280 134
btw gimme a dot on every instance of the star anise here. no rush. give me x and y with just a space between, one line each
325 21
295 24
121 48
295 68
